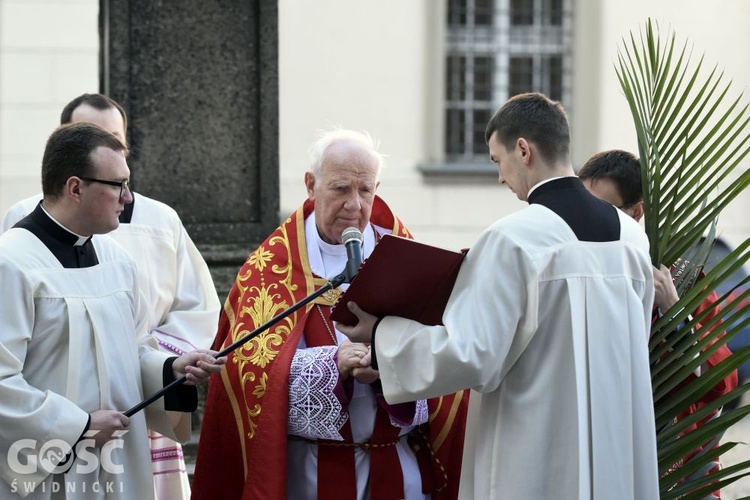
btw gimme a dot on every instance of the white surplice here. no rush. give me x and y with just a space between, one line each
73 341
183 307
18 211
183 310
553 332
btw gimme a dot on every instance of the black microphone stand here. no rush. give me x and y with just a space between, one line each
332 284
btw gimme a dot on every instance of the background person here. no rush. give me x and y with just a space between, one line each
615 177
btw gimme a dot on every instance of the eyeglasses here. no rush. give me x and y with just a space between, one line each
123 185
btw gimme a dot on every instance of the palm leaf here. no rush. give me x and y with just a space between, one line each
692 141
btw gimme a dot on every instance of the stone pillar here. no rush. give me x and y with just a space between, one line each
199 81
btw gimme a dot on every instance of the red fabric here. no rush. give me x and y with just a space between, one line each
336 468
386 476
730 382
242 451
446 442
725 386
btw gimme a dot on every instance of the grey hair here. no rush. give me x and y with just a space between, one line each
319 149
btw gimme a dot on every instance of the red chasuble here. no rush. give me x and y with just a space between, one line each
243 447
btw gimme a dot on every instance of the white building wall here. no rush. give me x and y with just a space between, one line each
717 30
378 66
363 65
48 55
366 66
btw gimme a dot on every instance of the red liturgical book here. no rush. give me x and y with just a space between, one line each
402 277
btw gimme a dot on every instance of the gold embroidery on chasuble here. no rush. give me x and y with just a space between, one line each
266 290
330 297
274 277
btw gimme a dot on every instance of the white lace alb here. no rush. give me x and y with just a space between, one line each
314 410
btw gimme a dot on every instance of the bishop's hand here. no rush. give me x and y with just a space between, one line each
348 357
365 374
362 331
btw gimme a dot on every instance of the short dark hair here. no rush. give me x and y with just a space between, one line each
538 119
96 101
621 167
68 154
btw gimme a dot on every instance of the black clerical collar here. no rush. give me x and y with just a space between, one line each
63 244
80 240
40 216
590 218
546 187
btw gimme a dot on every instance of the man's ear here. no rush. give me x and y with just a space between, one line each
637 211
310 185
524 149
72 188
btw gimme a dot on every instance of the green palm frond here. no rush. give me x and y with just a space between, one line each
692 141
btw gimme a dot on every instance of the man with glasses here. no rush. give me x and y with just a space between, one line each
183 307
123 185
74 346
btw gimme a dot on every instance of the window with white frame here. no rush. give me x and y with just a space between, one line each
495 50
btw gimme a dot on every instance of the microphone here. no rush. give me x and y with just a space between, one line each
352 238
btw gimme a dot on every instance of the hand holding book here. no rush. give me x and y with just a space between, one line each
402 277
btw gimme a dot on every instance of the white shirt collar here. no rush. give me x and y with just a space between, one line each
545 181
316 246
81 239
